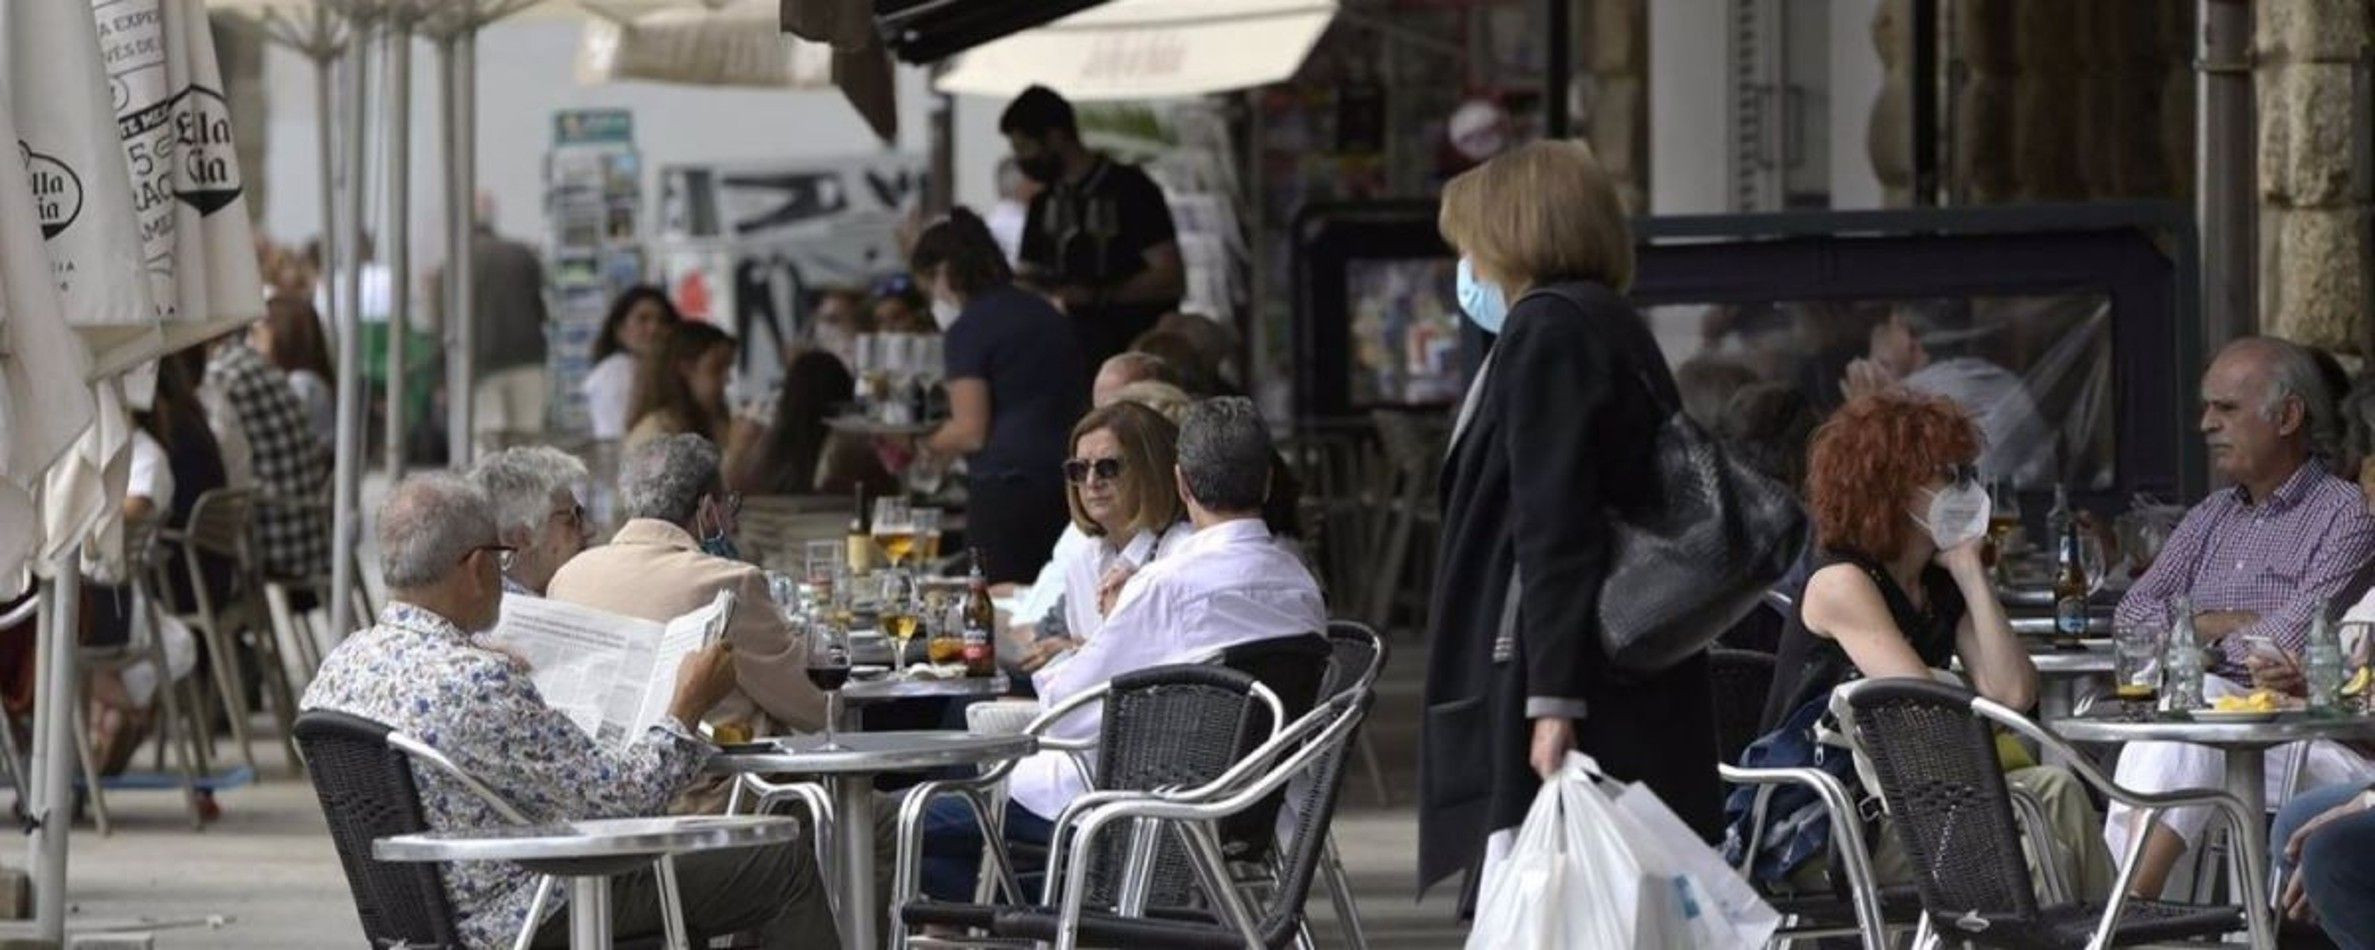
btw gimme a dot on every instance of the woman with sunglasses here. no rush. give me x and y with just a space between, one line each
1126 507
1899 591
1015 383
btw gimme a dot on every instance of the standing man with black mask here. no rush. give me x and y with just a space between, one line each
1098 238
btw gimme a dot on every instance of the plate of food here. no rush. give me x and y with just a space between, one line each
2257 706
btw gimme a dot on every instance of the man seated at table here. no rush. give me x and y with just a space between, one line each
1229 583
1121 370
419 672
537 514
660 565
2258 560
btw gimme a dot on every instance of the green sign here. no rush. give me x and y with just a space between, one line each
593 127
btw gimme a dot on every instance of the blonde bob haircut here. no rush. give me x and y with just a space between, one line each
1537 214
1150 451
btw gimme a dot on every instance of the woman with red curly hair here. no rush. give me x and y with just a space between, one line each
1899 591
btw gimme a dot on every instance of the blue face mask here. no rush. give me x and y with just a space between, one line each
718 545
1482 301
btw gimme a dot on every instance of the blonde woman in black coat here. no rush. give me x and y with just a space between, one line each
1555 431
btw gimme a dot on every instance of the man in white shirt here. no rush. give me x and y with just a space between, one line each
1229 583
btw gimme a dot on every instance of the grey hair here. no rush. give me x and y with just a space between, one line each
2292 373
666 477
428 524
1224 454
1166 400
521 480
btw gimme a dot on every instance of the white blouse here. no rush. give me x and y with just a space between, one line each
609 388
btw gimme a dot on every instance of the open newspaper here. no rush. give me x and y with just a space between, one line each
612 675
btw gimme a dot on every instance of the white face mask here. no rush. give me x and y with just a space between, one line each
945 312
1956 514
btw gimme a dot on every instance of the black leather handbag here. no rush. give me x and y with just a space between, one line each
1686 568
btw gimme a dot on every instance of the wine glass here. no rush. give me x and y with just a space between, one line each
894 529
2003 523
828 668
899 614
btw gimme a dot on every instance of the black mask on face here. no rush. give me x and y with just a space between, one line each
1046 167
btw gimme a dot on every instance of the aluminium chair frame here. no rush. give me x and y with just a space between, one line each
2253 910
671 902
1192 816
907 866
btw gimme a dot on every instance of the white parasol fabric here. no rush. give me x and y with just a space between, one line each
1148 49
216 281
44 402
734 44
82 185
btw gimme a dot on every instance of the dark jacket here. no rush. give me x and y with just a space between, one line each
1559 432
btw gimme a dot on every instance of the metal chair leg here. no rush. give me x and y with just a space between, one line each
1348 915
224 658
90 764
671 904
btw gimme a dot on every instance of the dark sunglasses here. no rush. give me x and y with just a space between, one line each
1077 471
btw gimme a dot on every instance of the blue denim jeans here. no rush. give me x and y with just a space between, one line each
2334 867
952 845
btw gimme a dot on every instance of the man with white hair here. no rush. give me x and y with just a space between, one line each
1123 369
2258 560
537 514
419 671
659 566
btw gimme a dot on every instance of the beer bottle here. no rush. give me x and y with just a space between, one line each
2069 588
981 618
858 545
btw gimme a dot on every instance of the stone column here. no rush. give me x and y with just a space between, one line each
2317 189
1612 63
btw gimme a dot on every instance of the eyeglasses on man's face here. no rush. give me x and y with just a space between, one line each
505 555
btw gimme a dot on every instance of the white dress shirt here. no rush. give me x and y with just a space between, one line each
1090 561
1032 605
1227 584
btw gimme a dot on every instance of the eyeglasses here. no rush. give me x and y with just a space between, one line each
1077 471
505 555
574 516
728 504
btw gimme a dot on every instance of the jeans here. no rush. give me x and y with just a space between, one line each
2334 869
952 845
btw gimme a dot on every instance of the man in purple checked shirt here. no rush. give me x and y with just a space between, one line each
2258 559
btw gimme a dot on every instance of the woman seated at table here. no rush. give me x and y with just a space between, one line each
1899 591
1125 509
800 454
682 389
630 332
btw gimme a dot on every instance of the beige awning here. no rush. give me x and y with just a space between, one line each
735 44
1149 49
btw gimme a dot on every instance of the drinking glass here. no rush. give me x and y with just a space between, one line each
900 614
819 559
2091 560
2135 668
894 529
2003 525
924 524
828 668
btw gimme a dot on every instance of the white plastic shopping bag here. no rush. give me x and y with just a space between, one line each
1736 915
1598 866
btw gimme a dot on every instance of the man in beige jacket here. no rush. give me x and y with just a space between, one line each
655 569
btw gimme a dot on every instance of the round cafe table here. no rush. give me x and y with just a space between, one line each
2245 744
894 687
849 773
588 853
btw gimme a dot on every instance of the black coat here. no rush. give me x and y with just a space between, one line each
1559 432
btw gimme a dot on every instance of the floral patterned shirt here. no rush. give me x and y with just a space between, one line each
419 674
